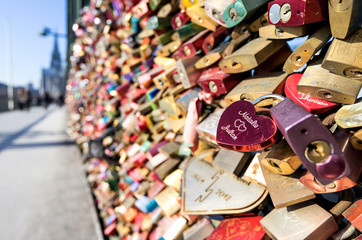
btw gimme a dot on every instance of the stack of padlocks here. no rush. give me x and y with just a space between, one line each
192 113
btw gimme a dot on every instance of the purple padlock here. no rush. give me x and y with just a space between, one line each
312 142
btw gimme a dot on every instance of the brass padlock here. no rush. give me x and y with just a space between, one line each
231 161
199 17
279 32
304 52
236 42
250 55
320 83
280 159
286 190
187 73
254 87
212 57
259 22
305 220
344 57
344 17
171 47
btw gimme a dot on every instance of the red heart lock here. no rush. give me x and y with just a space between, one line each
241 130
311 104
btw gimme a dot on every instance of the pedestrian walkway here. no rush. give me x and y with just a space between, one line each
43 189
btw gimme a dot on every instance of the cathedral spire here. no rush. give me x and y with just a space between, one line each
56 60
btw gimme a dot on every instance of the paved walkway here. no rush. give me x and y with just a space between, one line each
43 189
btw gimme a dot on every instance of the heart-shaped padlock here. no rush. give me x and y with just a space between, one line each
242 130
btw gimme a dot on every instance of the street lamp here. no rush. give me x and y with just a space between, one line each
47 31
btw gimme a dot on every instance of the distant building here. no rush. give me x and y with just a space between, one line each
53 78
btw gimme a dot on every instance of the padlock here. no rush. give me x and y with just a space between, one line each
344 16
280 32
356 140
199 17
187 73
215 9
275 62
171 47
140 9
168 200
320 83
348 116
296 13
189 3
165 38
354 214
344 57
242 130
236 42
207 128
352 156
168 9
240 10
157 23
184 99
208 190
176 229
165 79
214 38
212 57
155 4
311 141
280 159
200 230
255 87
168 104
230 161
311 104
166 167
259 22
187 31
286 190
217 82
305 52
250 55
242 227
305 220
179 20
193 45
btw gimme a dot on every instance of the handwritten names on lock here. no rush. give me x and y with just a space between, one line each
207 189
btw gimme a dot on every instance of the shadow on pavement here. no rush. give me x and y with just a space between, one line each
8 141
41 144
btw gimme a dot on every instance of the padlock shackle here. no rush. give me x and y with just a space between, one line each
259 99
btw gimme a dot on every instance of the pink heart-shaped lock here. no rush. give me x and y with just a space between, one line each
241 130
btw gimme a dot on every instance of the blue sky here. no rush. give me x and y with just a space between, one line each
30 51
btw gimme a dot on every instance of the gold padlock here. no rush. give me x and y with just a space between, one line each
344 57
344 17
199 17
304 52
320 83
281 32
286 190
250 55
281 159
254 87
